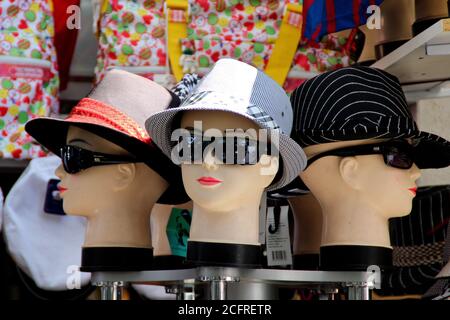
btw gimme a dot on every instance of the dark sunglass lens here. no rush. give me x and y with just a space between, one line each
70 159
399 159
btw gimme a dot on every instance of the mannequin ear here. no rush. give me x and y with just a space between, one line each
268 167
349 171
125 175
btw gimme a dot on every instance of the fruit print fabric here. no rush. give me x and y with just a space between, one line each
246 30
20 101
26 31
132 33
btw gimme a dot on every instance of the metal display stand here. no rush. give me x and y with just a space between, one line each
359 284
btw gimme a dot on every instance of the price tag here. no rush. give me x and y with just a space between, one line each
277 238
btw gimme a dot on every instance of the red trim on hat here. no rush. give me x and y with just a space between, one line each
96 112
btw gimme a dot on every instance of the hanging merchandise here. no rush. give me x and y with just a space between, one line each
104 133
418 242
323 16
66 32
428 12
143 36
349 112
441 288
395 29
28 73
233 95
45 246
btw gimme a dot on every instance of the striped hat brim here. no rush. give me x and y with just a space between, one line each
160 126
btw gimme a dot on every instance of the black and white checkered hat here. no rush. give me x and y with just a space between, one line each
357 103
241 89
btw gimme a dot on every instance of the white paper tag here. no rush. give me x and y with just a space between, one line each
278 243
262 218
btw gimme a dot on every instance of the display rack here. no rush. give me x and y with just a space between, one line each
423 63
359 284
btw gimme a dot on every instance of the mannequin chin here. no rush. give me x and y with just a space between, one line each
358 195
116 199
227 211
307 231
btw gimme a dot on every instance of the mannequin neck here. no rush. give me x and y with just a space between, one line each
353 222
239 225
120 225
307 224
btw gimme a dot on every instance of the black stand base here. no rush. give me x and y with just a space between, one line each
224 254
116 259
170 263
305 261
354 258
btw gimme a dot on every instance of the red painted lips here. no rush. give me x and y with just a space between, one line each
209 181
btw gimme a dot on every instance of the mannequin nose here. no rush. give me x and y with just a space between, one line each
209 161
59 172
415 172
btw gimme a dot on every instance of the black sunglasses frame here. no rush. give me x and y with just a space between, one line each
86 159
385 149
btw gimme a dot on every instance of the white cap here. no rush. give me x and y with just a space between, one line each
45 246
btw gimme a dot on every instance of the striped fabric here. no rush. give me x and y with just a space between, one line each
328 16
183 88
357 103
243 90
418 243
441 286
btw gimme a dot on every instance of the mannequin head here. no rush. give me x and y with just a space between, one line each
227 211
112 197
358 190
239 185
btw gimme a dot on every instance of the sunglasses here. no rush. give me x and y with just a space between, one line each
396 154
76 159
226 150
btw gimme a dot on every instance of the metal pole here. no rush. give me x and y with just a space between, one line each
218 290
358 292
111 290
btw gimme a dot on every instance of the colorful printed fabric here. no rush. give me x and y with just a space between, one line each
28 88
328 16
132 33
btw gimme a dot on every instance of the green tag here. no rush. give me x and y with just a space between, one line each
178 231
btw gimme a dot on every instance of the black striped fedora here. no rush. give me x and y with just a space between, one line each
356 103
243 90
